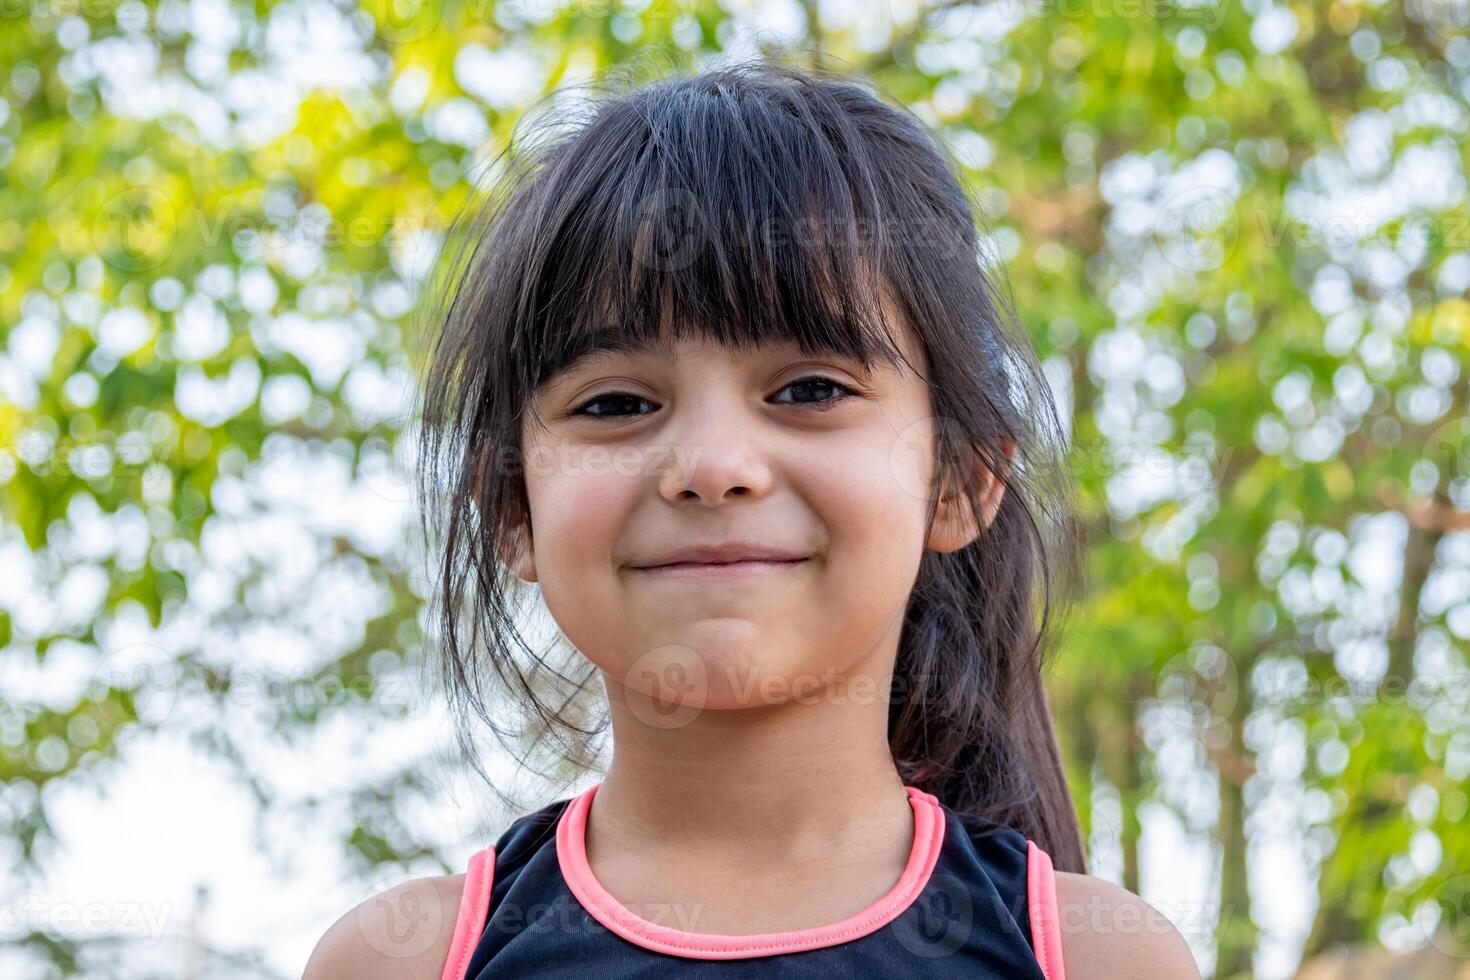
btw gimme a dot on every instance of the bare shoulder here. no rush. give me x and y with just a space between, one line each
1107 932
402 933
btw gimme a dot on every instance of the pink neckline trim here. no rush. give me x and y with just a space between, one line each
474 907
1041 891
571 853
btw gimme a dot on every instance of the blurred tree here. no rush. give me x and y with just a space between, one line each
1237 233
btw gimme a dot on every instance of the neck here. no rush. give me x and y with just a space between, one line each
781 781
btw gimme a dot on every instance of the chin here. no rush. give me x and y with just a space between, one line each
757 681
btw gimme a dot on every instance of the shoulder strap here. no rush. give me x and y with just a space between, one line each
1041 902
474 906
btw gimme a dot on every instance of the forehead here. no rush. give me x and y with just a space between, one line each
610 341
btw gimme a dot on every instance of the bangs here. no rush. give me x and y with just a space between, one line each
707 211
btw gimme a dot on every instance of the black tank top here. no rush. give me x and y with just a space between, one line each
973 901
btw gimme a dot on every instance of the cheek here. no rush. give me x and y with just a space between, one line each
573 519
576 520
867 506
875 520
578 496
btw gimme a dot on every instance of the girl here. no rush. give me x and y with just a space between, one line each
723 376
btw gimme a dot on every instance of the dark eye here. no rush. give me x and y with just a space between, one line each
607 406
818 384
615 398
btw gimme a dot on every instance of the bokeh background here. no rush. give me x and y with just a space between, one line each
1236 230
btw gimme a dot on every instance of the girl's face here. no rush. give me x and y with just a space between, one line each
645 455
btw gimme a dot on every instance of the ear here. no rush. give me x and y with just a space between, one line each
954 521
522 557
517 550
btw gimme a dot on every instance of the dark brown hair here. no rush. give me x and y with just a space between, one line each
755 202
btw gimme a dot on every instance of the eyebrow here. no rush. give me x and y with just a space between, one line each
607 340
610 340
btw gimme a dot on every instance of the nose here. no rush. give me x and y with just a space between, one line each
715 453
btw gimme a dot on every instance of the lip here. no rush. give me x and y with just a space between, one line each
726 569
731 556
